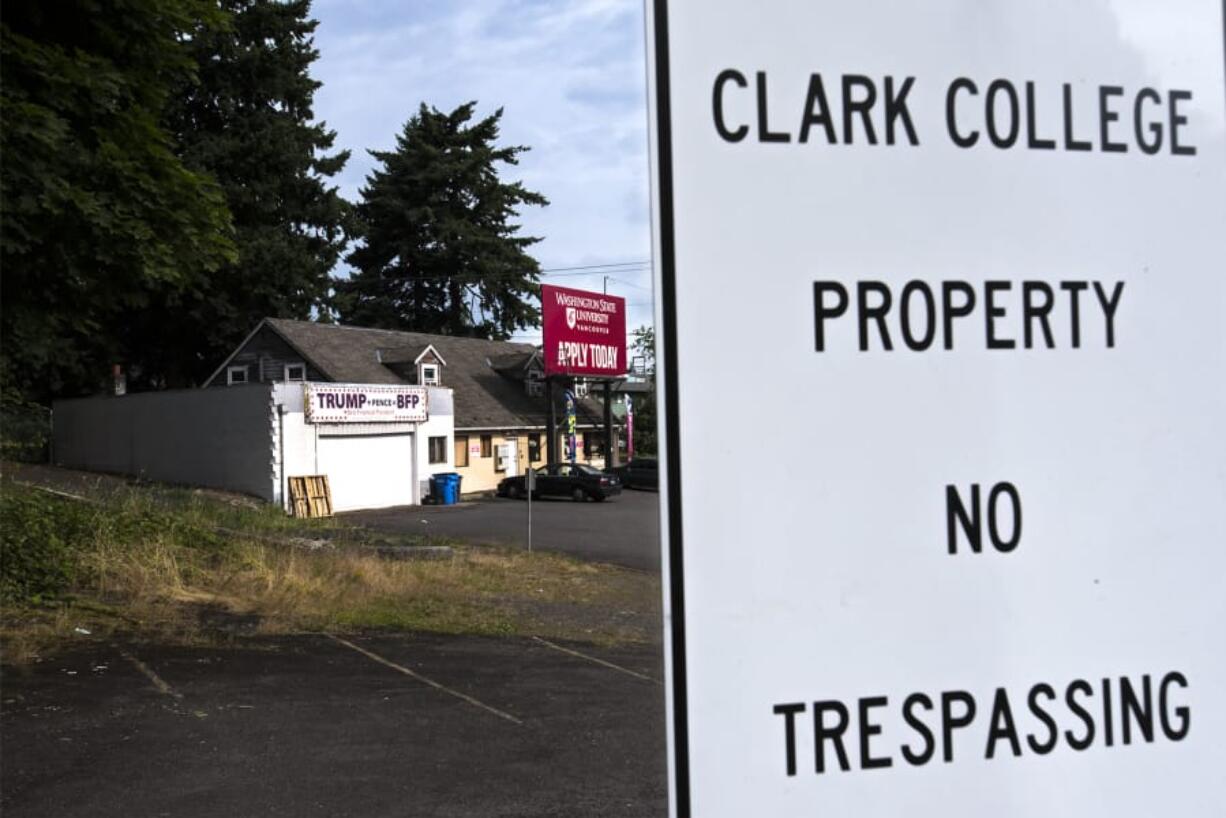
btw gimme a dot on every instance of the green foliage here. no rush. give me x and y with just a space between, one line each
248 122
156 558
41 540
440 251
25 429
643 344
50 545
100 214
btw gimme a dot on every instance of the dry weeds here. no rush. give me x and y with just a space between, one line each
161 570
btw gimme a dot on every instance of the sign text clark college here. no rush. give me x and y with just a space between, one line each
980 253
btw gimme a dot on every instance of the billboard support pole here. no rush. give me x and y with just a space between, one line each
610 450
551 424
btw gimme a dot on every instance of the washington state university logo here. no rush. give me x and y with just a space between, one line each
571 317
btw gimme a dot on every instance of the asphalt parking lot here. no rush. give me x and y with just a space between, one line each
379 725
623 530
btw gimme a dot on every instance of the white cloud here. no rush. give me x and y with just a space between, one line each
571 78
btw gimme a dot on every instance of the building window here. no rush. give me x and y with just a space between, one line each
295 372
534 448
487 445
236 375
581 389
593 445
461 451
429 375
438 449
535 388
499 463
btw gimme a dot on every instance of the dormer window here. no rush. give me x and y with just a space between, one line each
429 367
295 372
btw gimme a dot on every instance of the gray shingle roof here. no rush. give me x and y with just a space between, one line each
403 355
484 398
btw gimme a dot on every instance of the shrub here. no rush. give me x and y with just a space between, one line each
25 429
41 540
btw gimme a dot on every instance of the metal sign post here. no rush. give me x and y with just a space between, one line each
530 482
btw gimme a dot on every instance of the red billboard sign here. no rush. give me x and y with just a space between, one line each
585 333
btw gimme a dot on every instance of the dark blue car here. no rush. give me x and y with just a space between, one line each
574 480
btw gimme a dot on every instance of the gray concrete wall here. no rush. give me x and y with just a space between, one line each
220 438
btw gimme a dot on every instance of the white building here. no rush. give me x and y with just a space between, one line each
501 411
253 438
482 413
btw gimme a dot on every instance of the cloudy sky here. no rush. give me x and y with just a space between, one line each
570 75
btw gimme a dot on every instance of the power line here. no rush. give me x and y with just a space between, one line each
589 275
556 272
629 283
598 266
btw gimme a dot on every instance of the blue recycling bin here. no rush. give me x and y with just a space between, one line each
453 486
438 489
445 488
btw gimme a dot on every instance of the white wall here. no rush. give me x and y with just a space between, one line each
441 423
221 438
298 453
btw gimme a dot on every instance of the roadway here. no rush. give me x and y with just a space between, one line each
623 530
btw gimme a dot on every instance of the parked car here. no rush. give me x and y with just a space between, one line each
574 480
640 473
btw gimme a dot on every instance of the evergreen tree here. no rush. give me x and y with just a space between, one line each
440 251
99 214
643 344
249 123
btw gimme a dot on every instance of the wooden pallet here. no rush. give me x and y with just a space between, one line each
311 496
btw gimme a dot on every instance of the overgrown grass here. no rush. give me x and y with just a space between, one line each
154 562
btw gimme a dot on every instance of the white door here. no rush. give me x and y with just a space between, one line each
513 458
510 458
368 471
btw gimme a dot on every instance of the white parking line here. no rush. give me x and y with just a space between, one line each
424 680
627 671
157 680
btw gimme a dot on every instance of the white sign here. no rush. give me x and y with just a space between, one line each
978 252
361 403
